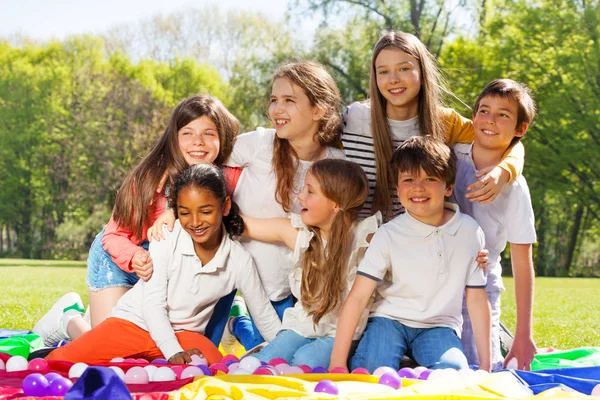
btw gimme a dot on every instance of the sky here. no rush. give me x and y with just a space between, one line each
48 19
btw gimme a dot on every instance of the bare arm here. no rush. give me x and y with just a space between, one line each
350 314
478 305
523 348
270 230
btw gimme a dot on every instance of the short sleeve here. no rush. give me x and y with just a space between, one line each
303 239
377 260
520 224
476 277
245 147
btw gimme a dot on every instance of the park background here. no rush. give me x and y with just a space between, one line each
76 113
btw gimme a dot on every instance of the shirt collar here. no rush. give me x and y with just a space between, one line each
219 261
424 230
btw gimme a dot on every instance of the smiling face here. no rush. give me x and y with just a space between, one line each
399 82
291 113
201 214
423 196
199 141
317 210
495 123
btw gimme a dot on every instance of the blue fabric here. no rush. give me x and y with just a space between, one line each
582 379
6 333
385 341
298 350
98 383
102 272
218 320
246 332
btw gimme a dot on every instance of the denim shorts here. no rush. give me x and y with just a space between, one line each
103 273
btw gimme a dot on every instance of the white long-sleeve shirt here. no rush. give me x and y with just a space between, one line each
182 293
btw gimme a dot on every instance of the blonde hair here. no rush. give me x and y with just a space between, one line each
322 93
133 200
429 112
324 271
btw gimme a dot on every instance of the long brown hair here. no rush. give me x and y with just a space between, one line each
138 189
325 271
429 112
322 93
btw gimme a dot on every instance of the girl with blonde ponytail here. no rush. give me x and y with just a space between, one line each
327 243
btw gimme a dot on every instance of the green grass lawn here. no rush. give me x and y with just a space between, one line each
566 312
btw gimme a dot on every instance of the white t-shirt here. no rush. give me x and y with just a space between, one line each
255 195
182 293
509 218
297 318
423 270
357 139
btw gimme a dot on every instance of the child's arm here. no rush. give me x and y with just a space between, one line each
271 230
350 314
127 255
167 218
523 348
480 313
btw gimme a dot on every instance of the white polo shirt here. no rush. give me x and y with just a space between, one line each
255 196
297 318
509 218
182 293
423 270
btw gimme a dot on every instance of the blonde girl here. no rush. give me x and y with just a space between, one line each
327 244
405 93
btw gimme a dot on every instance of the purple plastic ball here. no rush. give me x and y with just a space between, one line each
264 364
425 375
35 385
159 361
59 387
319 370
408 373
205 370
52 376
229 362
327 386
391 379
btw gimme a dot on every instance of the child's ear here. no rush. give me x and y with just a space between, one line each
449 190
318 113
227 206
520 132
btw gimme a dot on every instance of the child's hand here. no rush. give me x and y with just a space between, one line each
142 264
184 357
490 183
523 350
156 232
482 259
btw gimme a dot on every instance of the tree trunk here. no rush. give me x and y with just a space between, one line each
572 244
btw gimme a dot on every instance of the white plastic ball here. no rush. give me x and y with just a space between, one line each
119 372
164 374
117 360
250 363
137 376
382 370
513 363
240 371
191 371
2 365
197 360
77 370
150 369
295 370
596 390
16 363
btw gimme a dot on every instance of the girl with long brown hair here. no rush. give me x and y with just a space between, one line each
405 100
327 244
201 130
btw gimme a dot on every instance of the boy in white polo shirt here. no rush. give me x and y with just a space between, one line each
502 114
419 264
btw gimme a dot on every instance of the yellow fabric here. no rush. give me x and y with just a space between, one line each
460 130
502 385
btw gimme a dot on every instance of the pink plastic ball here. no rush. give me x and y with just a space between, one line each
390 379
191 371
327 386
59 387
263 371
282 368
136 376
142 361
305 368
382 370
2 365
130 360
294 370
218 367
596 390
361 371
338 370
35 385
177 370
276 361
38 364
197 360
230 357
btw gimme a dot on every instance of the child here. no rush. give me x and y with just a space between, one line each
327 245
197 263
201 130
420 264
502 114
304 109
405 100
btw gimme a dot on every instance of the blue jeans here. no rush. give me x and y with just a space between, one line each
102 272
246 332
385 341
298 350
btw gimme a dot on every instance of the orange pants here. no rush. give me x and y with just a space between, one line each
116 337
